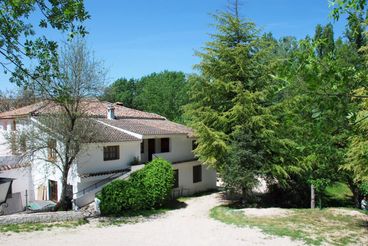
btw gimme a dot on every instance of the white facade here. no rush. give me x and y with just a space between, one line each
186 186
23 182
5 128
180 148
91 169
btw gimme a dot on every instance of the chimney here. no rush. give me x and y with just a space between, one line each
110 112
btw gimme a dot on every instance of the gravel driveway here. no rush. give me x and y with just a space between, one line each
187 226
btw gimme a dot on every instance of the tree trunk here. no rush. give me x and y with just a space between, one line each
244 195
64 202
313 198
356 193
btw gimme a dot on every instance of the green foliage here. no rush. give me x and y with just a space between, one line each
281 109
339 191
357 153
364 188
19 43
232 106
145 189
122 90
163 93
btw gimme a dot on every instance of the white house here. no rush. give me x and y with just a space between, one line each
128 137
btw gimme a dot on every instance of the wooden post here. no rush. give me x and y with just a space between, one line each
313 197
26 195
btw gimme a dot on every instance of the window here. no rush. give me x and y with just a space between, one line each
111 153
51 151
142 147
165 145
197 173
176 178
194 144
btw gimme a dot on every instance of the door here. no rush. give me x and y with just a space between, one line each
53 191
151 148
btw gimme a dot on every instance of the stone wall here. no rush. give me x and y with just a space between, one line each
41 217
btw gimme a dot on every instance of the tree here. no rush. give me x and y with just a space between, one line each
324 39
19 44
357 154
231 105
122 90
355 30
163 93
66 126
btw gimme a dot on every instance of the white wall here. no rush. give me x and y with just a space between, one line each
186 178
20 124
180 148
91 160
22 182
4 147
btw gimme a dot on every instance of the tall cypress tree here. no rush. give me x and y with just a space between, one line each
231 104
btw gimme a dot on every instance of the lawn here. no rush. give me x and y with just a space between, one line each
331 226
29 227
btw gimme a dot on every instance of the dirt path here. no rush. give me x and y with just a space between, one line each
187 226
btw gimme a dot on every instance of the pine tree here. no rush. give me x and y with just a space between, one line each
231 104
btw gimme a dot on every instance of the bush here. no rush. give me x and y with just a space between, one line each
145 189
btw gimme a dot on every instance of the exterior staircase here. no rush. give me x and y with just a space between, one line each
87 195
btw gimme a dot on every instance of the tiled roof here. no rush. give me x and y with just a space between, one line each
87 175
106 134
92 108
23 111
11 162
133 120
149 126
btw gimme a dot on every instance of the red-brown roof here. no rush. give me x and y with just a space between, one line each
11 162
149 126
93 108
106 134
132 120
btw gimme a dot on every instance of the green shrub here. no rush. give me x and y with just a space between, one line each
145 189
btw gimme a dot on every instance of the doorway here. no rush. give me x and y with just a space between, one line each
53 191
151 148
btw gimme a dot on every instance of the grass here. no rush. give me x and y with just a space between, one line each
339 191
29 227
313 226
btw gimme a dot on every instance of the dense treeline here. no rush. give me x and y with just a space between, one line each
287 111
163 93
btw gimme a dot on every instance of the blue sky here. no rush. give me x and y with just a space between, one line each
135 38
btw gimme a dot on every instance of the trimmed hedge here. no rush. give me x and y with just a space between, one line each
145 189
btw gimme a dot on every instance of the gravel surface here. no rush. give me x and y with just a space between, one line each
187 226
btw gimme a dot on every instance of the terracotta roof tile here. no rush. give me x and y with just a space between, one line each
106 134
11 162
150 126
93 108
